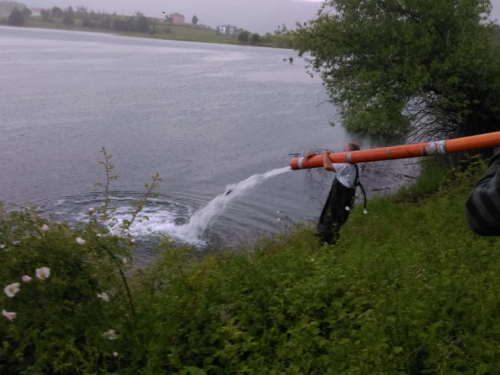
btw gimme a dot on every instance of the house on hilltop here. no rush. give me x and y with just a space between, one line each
177 18
227 29
36 11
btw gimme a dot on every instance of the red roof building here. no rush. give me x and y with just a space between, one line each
177 18
36 11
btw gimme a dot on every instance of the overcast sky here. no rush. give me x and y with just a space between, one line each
254 15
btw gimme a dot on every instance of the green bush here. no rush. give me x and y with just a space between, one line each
60 320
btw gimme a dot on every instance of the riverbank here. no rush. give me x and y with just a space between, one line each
159 30
408 289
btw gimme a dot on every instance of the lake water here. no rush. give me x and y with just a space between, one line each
203 116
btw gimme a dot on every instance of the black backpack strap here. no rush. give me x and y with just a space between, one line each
357 183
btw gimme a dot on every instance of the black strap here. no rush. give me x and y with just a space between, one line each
357 183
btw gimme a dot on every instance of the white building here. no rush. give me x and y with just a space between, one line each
36 11
228 29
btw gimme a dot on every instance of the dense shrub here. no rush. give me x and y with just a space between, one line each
59 274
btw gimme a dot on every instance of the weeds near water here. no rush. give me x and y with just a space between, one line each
407 290
108 166
124 227
138 204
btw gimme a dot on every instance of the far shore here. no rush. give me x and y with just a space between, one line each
160 30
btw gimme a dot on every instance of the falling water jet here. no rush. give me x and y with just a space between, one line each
204 217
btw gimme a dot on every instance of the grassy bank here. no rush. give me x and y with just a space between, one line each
159 30
409 289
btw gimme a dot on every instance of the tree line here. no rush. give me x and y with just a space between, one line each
246 37
19 13
136 23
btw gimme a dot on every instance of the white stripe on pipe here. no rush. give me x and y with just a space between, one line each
435 148
299 163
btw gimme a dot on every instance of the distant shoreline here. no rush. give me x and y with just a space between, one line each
181 33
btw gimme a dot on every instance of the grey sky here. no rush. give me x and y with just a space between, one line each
254 15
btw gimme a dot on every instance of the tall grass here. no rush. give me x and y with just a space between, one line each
433 172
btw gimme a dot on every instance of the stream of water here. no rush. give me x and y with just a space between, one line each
203 218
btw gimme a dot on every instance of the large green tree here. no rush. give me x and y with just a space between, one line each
244 36
143 24
26 13
57 12
69 16
16 18
393 66
46 15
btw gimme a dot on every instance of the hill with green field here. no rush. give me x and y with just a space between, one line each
138 25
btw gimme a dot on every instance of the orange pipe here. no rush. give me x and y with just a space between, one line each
403 151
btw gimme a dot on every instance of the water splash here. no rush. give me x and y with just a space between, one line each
165 214
203 218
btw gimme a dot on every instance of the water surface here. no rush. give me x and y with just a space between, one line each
202 115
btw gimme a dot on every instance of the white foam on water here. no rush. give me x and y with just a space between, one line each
165 216
59 202
152 219
204 217
157 213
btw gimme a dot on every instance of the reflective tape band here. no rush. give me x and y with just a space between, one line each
435 148
299 163
348 157
389 153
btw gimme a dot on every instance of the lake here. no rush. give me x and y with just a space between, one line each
201 115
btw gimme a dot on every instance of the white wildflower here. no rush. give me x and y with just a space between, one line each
365 211
124 260
2 246
347 208
9 315
103 296
110 335
26 278
80 241
117 232
312 259
16 242
43 273
279 219
45 227
91 210
12 289
133 240
115 354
